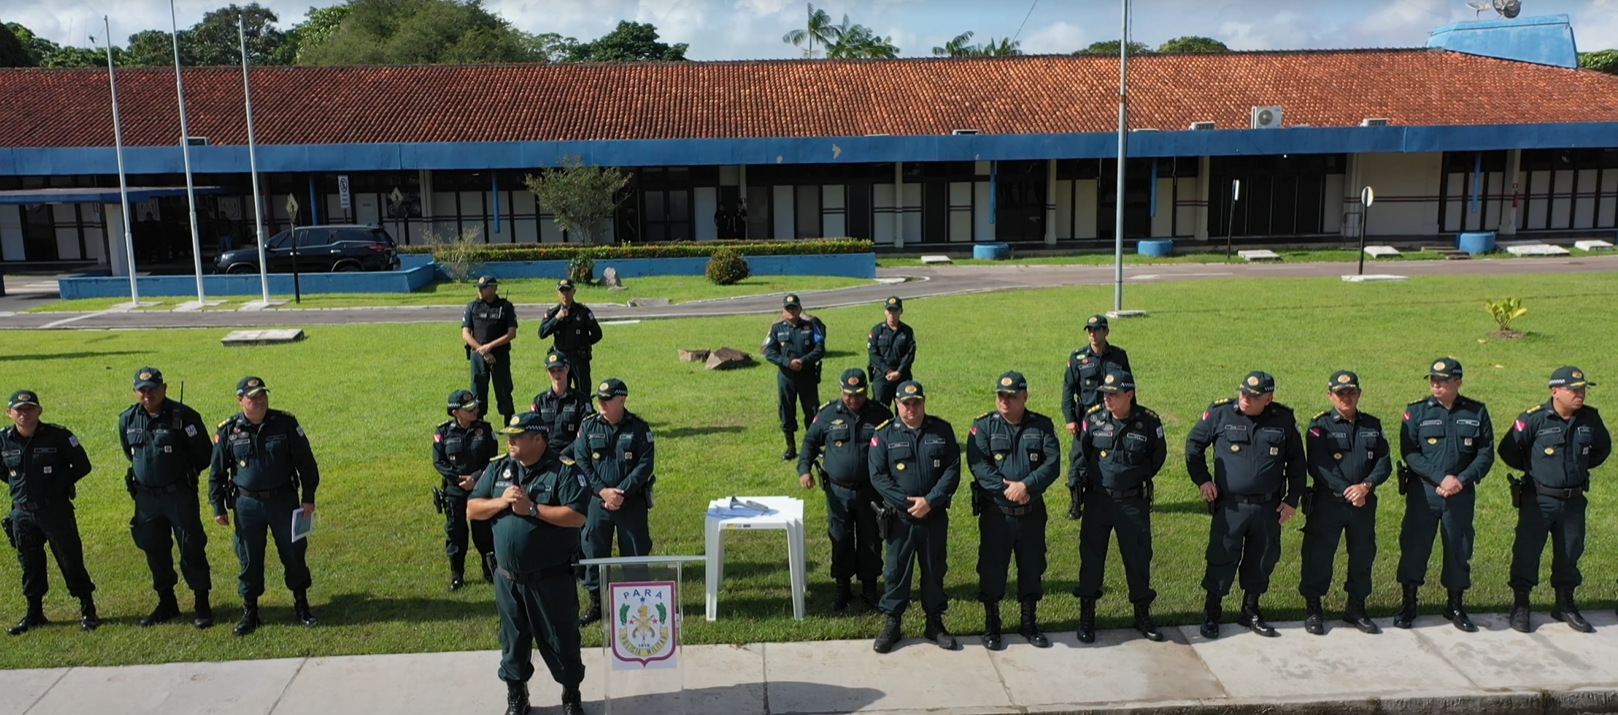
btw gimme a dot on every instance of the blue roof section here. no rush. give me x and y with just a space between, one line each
95 195
1546 40
833 150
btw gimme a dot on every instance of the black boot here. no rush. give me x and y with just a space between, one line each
1567 612
792 447
203 613
250 621
937 633
572 701
1253 618
1213 611
1520 618
870 593
457 572
1087 620
34 619
488 567
1354 614
991 626
1455 612
1314 621
845 594
593 613
516 699
1144 624
167 609
890 635
300 609
1030 625
1407 608
88 621
1073 506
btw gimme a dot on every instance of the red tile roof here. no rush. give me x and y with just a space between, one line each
794 98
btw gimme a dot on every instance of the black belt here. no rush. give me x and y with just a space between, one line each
1563 494
160 491
1123 493
1337 496
534 577
857 486
32 505
269 493
1021 510
1251 498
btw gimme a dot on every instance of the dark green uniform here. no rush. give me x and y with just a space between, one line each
786 342
563 413
168 453
1556 455
457 452
266 465
841 439
1436 442
1116 463
533 588
1258 465
42 471
618 456
1342 453
1085 371
575 336
489 320
904 463
998 452
889 349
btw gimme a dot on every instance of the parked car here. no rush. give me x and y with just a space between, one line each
348 247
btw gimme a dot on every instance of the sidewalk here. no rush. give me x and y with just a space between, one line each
1430 669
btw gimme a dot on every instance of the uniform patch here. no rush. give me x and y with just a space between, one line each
873 441
1275 451
190 430
582 481
1519 426
437 438
648 437
73 440
299 430
1160 432
1314 431
900 466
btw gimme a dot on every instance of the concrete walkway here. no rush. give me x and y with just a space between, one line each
926 282
1430 669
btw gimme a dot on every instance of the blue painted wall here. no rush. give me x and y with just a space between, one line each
1172 141
853 265
402 281
1541 40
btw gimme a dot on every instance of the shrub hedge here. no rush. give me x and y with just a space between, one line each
684 249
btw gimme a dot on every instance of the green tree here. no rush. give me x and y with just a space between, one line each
1189 43
1006 47
818 30
579 196
318 25
215 41
958 46
12 51
35 47
404 32
83 57
152 48
1110 47
629 42
855 41
1600 61
550 47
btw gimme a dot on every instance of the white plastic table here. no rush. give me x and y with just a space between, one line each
786 514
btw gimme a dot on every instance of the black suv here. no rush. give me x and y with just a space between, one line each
349 247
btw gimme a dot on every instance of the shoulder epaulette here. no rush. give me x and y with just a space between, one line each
568 461
1322 414
1094 409
982 416
441 425
1280 407
497 458
1149 412
884 424
227 421
1417 402
1222 401
824 405
1534 409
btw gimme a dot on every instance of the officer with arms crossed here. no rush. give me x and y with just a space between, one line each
842 433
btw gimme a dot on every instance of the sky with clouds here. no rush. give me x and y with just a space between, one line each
752 29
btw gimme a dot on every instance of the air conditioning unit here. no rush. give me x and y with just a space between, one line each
963 132
1373 122
196 141
1266 118
1202 126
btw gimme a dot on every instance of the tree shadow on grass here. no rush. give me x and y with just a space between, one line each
67 356
361 608
1195 506
678 432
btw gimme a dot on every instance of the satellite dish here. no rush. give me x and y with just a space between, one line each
1507 9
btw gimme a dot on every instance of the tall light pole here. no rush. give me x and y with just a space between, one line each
123 180
252 165
1123 154
185 154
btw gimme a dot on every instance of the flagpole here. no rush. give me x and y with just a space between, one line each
252 163
185 154
123 182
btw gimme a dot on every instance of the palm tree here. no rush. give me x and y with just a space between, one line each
1006 47
818 30
956 47
860 42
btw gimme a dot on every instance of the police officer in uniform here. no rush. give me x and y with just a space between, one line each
564 408
1349 458
842 433
1014 456
1556 444
536 504
1258 477
488 326
915 466
1447 443
575 331
168 448
614 451
261 461
43 463
1086 368
795 344
891 347
462 448
1121 450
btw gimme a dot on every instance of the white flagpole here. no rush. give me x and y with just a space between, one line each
123 183
252 163
185 153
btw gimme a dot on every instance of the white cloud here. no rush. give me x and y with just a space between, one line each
1055 38
1595 26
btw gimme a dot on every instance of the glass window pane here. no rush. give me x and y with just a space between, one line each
679 206
654 206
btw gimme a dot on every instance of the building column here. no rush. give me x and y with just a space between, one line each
1508 210
1204 189
898 204
1050 202
1352 210
117 255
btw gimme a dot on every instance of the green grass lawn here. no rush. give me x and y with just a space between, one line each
370 396
680 289
1213 255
